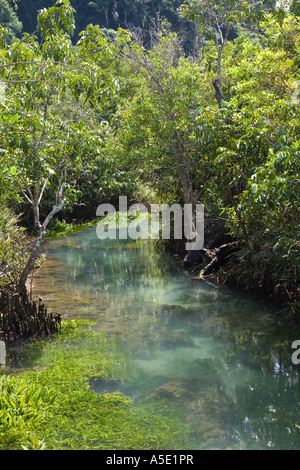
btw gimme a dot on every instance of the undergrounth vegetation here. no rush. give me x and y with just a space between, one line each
61 228
196 103
51 406
166 103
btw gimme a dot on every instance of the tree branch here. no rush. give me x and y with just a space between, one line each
35 250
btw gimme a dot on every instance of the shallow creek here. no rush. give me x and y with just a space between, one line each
222 356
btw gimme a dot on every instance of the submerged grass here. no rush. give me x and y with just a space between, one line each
60 229
50 405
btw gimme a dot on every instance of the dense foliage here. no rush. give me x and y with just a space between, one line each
89 116
143 17
12 248
9 18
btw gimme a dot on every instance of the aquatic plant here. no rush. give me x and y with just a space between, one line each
23 407
52 406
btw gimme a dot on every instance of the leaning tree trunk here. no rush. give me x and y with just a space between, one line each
219 97
218 92
21 286
183 168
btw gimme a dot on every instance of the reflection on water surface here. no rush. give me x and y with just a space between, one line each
223 357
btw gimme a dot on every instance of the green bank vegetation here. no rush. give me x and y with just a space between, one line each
88 115
204 108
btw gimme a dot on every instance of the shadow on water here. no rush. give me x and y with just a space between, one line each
222 357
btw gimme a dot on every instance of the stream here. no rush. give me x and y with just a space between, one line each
224 357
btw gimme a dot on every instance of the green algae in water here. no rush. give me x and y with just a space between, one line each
65 413
179 335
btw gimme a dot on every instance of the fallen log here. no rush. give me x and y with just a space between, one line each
214 259
209 259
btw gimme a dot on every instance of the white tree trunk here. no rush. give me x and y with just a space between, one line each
35 250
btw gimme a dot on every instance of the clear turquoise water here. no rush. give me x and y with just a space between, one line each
222 356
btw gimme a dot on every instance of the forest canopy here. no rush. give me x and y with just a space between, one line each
162 102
